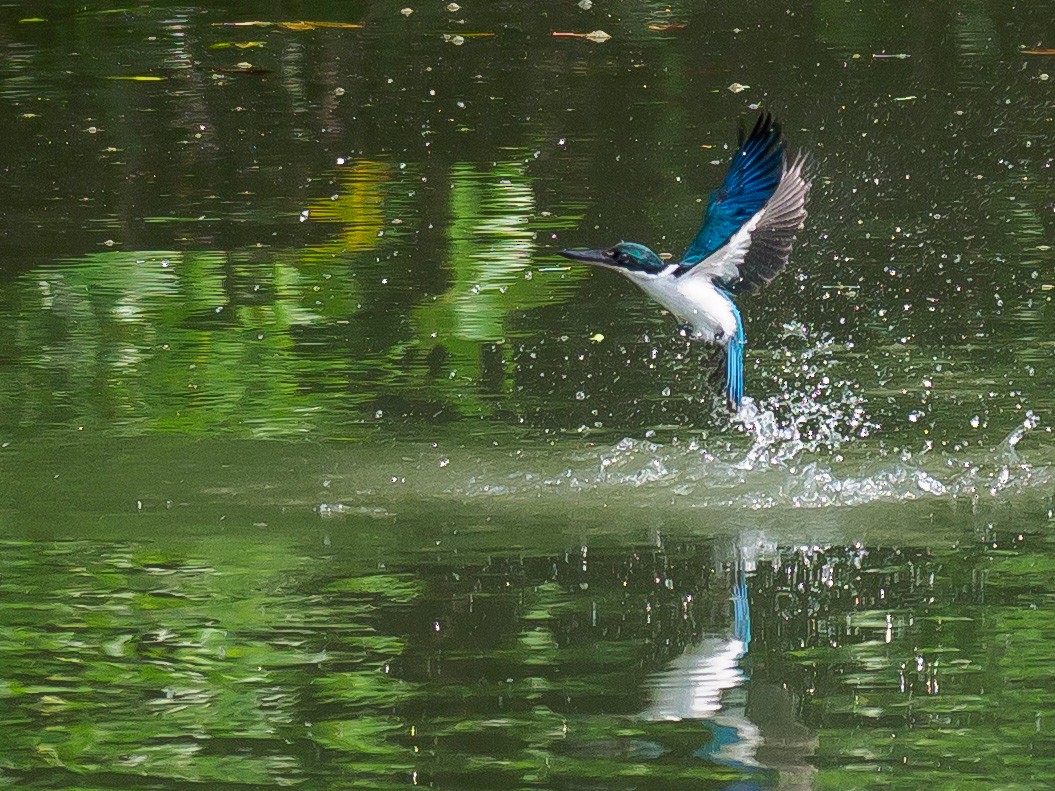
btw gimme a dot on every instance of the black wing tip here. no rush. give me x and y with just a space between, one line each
765 139
766 127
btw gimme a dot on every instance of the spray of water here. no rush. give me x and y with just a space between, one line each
797 444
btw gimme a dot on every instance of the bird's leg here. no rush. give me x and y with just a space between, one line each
715 360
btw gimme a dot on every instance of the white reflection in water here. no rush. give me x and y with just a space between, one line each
708 683
705 682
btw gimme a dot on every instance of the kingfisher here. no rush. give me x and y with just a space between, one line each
744 242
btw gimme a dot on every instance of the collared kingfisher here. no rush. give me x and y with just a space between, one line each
744 242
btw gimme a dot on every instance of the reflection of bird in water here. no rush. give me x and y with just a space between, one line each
752 723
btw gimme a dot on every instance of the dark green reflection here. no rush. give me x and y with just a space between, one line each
326 654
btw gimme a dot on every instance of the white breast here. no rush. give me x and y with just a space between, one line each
693 301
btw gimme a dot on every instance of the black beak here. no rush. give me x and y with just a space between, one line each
588 256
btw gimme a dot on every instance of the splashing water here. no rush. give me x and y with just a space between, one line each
795 456
813 411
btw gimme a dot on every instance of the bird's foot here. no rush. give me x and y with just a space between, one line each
688 332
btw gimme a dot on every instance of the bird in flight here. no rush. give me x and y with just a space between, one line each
744 242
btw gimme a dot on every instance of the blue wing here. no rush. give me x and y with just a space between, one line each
751 181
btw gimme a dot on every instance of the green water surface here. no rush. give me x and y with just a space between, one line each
320 468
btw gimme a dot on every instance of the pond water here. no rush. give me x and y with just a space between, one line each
319 467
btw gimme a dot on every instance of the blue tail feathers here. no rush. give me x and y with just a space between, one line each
734 363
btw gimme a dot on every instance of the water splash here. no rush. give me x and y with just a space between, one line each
777 471
813 410
804 448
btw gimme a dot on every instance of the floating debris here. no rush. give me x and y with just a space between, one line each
585 5
671 26
302 25
237 44
597 36
136 78
240 69
738 87
454 8
456 40
406 11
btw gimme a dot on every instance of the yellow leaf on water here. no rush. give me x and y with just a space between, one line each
136 78
300 25
238 44
30 19
312 25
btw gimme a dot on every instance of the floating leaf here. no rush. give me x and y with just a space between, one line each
314 25
671 26
598 36
240 69
301 25
738 87
135 78
238 44
1039 51
30 19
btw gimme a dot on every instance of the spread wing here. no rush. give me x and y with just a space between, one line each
752 179
752 219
